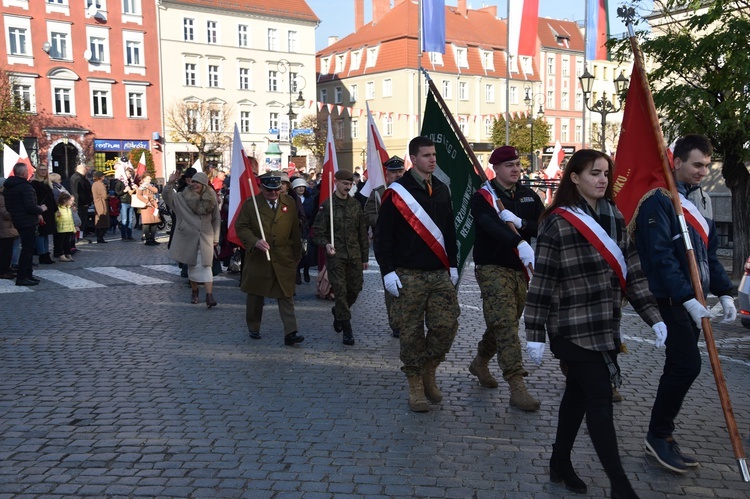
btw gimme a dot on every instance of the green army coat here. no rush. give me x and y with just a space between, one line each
349 229
260 277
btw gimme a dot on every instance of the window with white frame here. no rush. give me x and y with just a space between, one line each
462 58
488 61
463 90
244 79
513 94
564 133
63 100
369 90
338 95
246 121
372 57
436 58
63 95
550 65
551 123
99 4
340 59
273 81
100 103
188 29
579 100
273 39
565 66
550 99
242 35
356 59
193 118
578 133
489 93
191 76
564 100
273 121
388 125
579 68
212 32
488 124
214 120
131 7
338 129
134 52
97 46
387 87
323 95
324 66
463 124
355 128
353 93
214 76
22 96
527 66
447 90
53 6
294 84
18 41
136 103
292 41
59 37
133 55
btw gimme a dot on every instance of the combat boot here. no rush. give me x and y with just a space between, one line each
479 367
519 397
348 333
431 389
417 400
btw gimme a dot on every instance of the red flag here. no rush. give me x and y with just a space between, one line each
489 172
23 157
522 27
376 156
141 170
639 165
242 185
330 165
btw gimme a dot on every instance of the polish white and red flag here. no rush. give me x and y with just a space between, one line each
330 165
141 170
376 156
523 20
554 163
242 185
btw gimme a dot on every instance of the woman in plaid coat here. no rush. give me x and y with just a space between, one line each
585 265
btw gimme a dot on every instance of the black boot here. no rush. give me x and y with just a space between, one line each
291 339
45 259
307 274
348 334
298 279
622 489
337 325
561 470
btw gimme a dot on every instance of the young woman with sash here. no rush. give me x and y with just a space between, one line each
585 265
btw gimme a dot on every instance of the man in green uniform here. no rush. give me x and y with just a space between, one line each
347 254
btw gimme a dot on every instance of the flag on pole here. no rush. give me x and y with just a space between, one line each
10 158
330 164
554 163
407 159
241 176
376 156
23 157
141 170
597 30
523 20
638 171
455 169
433 26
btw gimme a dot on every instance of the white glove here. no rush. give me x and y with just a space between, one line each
535 350
392 283
660 330
730 311
509 216
696 311
454 275
525 253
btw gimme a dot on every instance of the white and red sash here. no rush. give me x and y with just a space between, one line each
695 218
599 239
491 198
419 220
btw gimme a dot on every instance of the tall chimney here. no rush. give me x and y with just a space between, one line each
462 8
379 9
359 14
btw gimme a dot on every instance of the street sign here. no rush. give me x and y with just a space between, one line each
302 131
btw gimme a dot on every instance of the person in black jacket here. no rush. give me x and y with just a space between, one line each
44 195
80 188
418 254
20 201
500 255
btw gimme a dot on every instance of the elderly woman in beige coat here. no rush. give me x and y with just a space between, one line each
197 230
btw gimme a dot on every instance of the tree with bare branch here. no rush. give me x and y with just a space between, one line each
14 117
204 125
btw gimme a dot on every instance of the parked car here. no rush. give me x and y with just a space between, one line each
744 296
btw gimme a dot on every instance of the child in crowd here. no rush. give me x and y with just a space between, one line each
65 226
114 211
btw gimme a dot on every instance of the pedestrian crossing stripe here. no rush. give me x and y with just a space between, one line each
127 275
171 269
67 280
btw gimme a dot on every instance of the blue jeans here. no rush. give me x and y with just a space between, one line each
42 245
127 220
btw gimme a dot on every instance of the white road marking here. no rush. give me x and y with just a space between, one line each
9 286
174 270
126 275
67 280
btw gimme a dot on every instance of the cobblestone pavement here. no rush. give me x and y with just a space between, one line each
125 389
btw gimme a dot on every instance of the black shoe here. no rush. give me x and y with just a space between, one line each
666 451
298 279
32 278
337 325
307 275
395 332
7 275
26 282
255 335
292 339
348 339
101 241
561 470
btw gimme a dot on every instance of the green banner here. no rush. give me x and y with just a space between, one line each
455 169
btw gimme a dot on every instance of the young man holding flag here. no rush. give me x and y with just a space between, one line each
501 257
418 254
661 248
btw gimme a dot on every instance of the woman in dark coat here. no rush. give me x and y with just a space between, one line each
44 196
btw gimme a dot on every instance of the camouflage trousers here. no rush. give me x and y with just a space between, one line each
503 299
427 296
388 307
345 275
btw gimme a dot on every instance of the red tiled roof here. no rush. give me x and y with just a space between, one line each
550 29
290 9
397 36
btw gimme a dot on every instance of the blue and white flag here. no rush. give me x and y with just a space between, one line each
433 26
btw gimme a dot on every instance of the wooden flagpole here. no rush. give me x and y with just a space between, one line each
628 14
257 213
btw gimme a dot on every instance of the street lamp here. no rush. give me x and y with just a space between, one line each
284 66
529 99
603 106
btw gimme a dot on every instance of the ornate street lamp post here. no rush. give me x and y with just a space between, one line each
603 106
529 99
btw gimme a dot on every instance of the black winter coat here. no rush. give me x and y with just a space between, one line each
45 196
20 201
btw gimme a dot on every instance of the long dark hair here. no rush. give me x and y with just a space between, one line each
567 193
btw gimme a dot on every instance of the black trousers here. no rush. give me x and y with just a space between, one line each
588 391
28 248
681 367
63 243
149 231
6 253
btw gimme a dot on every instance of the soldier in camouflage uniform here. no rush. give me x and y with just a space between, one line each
394 170
500 255
348 254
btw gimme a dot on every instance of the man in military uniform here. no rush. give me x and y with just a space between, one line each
347 255
394 170
503 260
418 253
275 278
